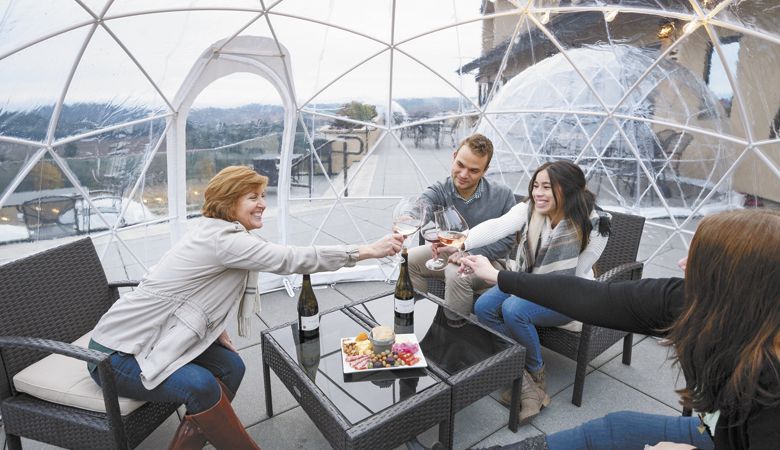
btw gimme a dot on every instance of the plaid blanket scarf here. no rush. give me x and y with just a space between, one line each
561 253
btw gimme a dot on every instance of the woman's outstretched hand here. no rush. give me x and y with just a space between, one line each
386 246
481 267
683 263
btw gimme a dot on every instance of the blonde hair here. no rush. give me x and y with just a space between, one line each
224 190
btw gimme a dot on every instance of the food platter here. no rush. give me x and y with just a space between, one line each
406 340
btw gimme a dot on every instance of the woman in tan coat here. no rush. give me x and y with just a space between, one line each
167 337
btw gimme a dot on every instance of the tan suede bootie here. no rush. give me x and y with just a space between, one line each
532 398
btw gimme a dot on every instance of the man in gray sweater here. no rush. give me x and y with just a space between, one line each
477 199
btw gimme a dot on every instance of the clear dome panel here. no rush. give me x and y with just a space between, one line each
671 89
108 166
26 108
413 18
523 141
503 45
122 7
676 170
568 31
429 70
404 170
348 14
422 133
47 206
342 148
677 6
359 95
129 254
757 177
26 22
756 15
93 100
96 6
753 63
323 72
149 203
349 221
433 94
13 158
173 41
428 164
314 168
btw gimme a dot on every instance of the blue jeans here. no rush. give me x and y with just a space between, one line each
516 317
194 384
631 430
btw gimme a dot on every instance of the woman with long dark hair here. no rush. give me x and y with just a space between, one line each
722 320
560 231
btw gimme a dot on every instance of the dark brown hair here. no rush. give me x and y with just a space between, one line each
479 145
571 194
224 190
725 337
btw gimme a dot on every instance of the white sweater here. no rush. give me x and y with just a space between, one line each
514 220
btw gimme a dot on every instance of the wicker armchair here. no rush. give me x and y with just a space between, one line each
583 347
617 263
48 300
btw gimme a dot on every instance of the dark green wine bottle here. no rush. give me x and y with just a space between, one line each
309 356
404 291
308 310
403 325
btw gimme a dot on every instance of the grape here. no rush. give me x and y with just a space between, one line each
390 360
377 365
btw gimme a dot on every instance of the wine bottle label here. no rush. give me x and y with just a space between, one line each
404 306
309 323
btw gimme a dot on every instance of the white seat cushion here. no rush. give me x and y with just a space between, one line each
66 381
574 325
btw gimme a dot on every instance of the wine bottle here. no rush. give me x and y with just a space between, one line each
404 291
308 310
403 325
309 356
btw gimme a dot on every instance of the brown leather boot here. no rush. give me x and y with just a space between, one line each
188 436
226 391
222 427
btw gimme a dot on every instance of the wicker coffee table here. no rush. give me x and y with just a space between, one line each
374 410
471 358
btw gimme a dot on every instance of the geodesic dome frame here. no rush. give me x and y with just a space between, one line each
94 129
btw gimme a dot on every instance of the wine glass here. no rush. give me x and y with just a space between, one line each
431 234
408 216
453 230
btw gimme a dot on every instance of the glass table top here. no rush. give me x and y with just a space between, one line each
357 396
450 348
